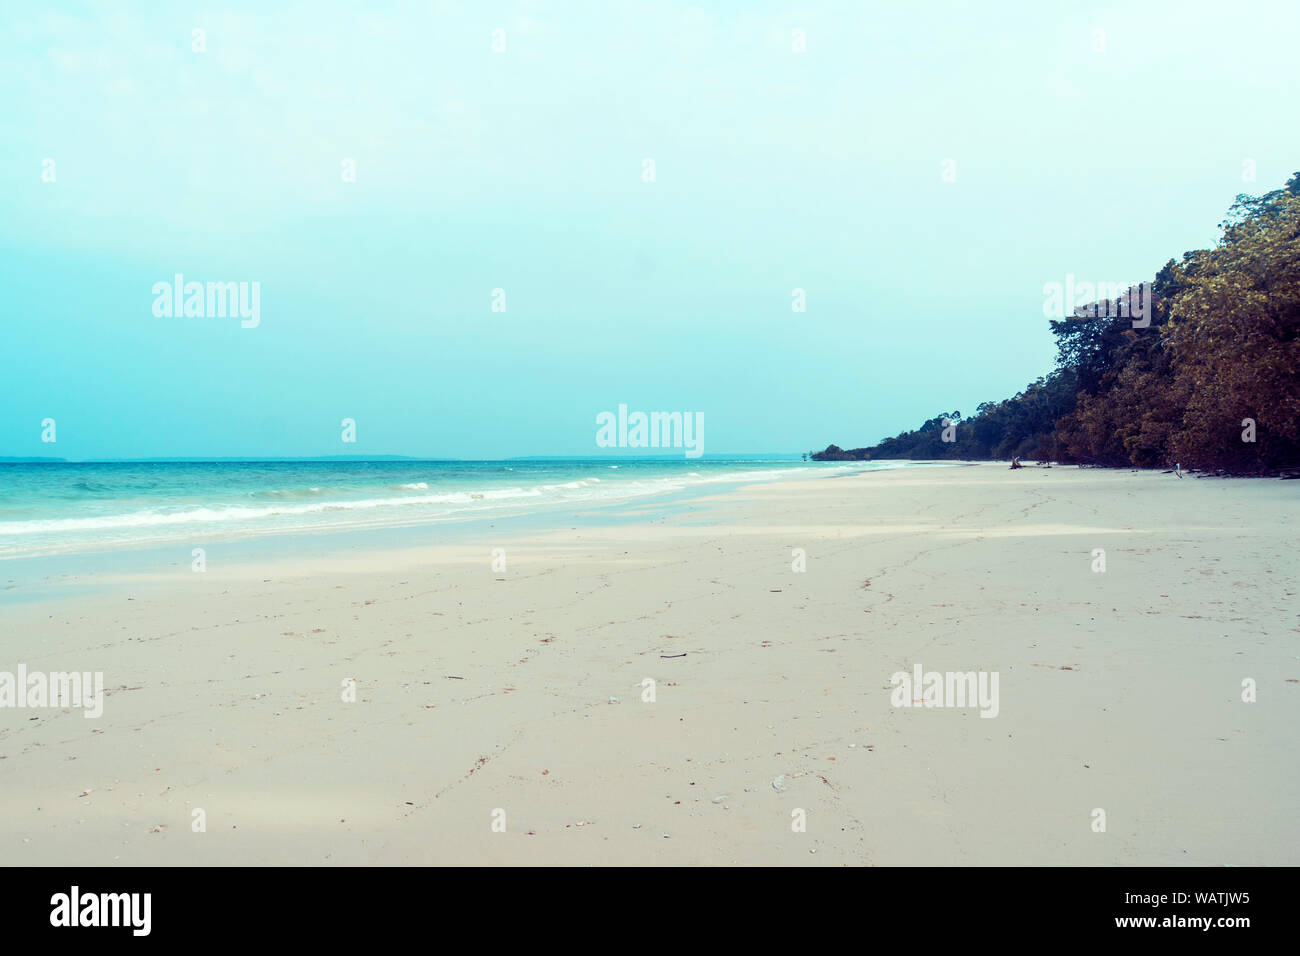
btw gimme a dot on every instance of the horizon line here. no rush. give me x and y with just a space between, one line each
200 459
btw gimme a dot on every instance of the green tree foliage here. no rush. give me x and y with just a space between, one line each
1218 365
1235 341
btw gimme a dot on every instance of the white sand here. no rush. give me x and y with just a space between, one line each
1118 690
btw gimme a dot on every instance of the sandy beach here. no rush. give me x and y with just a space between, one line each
515 697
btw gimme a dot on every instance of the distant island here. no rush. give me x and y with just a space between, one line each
1212 382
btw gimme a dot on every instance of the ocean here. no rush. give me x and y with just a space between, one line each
57 508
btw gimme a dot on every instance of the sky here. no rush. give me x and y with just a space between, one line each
920 172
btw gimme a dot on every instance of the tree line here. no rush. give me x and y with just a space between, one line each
1209 378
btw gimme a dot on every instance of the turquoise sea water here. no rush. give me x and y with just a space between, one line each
57 508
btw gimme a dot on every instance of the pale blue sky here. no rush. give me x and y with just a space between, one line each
522 170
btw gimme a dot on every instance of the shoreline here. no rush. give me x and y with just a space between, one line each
31 576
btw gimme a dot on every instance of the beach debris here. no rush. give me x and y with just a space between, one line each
779 783
613 699
85 793
666 656
721 799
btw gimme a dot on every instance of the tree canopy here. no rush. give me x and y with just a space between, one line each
1213 381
